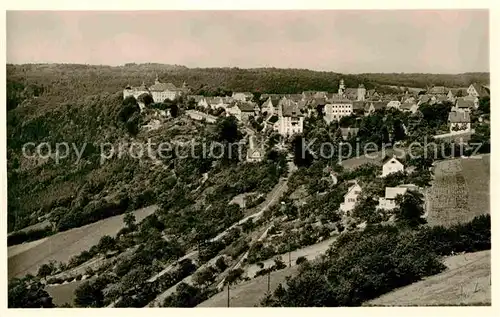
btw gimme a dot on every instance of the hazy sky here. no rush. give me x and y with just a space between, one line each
343 41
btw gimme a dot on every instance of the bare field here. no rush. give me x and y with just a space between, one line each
467 281
460 191
64 245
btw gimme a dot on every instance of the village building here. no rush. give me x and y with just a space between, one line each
358 94
372 106
242 96
389 201
395 104
348 133
270 106
358 107
162 91
290 118
336 109
463 105
392 165
248 109
478 91
409 107
135 91
351 198
255 152
459 121
437 90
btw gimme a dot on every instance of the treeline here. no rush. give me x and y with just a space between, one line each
66 82
361 266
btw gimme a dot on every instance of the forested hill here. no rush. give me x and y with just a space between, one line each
67 82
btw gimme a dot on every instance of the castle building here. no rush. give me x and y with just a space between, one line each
159 91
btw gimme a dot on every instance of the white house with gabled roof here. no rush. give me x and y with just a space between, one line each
351 198
392 165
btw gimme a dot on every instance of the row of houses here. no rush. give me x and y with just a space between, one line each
388 202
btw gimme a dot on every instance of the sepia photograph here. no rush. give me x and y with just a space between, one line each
248 158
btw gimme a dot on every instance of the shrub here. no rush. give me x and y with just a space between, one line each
300 260
363 265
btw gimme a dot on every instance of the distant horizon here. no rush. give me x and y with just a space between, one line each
242 68
341 41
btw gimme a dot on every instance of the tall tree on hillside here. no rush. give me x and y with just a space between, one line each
410 209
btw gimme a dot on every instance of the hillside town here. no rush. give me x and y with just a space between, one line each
281 158
285 113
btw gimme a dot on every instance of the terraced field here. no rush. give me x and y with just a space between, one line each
460 191
62 246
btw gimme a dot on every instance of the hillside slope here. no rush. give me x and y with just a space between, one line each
460 190
467 281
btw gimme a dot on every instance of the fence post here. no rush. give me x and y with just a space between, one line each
268 281
227 294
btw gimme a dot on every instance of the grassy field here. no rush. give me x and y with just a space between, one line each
64 245
460 191
467 281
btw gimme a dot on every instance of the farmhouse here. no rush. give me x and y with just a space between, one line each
389 201
391 165
270 105
477 90
463 105
247 109
351 198
459 121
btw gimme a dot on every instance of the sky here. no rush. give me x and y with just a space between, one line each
445 41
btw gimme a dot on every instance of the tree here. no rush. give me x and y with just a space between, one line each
233 276
410 209
106 243
174 110
484 105
302 156
135 278
146 99
220 264
205 277
185 296
300 260
89 294
44 270
227 130
28 292
129 220
365 210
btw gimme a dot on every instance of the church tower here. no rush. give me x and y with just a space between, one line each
361 92
341 88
